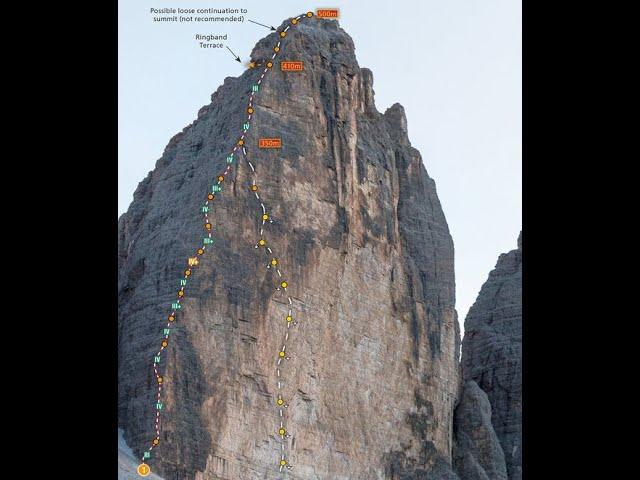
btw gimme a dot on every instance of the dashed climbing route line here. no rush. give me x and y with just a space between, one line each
274 263
192 262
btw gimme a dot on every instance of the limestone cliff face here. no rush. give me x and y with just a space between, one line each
492 360
362 240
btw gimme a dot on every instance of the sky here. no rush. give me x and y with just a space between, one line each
455 66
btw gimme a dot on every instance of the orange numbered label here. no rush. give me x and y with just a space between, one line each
270 143
143 470
288 66
327 13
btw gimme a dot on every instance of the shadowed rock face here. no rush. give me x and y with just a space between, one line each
365 246
477 454
492 359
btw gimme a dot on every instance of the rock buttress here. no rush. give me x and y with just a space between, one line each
492 355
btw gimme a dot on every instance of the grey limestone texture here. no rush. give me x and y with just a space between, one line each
373 375
492 366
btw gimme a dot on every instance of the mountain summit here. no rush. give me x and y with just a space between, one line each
370 374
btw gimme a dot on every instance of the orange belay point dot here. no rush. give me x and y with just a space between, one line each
283 34
221 178
211 196
249 110
207 226
159 379
165 343
187 273
180 293
171 318
240 142
254 188
309 14
269 64
200 251
156 441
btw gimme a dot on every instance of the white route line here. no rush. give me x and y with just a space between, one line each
208 240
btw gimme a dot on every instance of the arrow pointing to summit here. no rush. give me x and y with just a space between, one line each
273 29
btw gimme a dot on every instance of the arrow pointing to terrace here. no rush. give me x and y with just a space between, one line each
237 57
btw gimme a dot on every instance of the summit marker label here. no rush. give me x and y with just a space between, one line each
327 13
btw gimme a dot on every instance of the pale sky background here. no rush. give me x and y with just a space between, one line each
455 66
